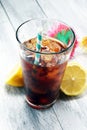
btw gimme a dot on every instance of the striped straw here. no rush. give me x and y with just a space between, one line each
38 48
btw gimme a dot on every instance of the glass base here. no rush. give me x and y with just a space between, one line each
40 106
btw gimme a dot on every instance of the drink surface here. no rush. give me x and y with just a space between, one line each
48 44
42 81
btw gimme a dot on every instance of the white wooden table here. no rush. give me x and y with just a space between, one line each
67 113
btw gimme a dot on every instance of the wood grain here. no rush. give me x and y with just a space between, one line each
15 114
19 12
71 12
9 55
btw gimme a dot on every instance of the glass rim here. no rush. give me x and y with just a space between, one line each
47 53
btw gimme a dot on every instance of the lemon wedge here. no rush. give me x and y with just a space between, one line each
15 77
74 80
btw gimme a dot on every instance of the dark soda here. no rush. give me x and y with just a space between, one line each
42 81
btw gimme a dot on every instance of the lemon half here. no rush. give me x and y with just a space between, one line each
74 80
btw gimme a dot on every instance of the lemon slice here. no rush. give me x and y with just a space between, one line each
74 80
83 43
15 77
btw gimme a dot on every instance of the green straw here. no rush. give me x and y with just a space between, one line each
38 48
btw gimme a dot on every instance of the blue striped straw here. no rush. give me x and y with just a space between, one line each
38 48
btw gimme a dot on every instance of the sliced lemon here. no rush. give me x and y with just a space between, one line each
15 77
83 43
74 80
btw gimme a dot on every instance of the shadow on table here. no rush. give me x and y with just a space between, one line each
14 90
66 98
20 91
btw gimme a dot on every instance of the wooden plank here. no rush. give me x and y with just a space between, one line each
19 12
70 114
71 12
9 55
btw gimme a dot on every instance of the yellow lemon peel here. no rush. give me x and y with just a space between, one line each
83 43
15 77
74 80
